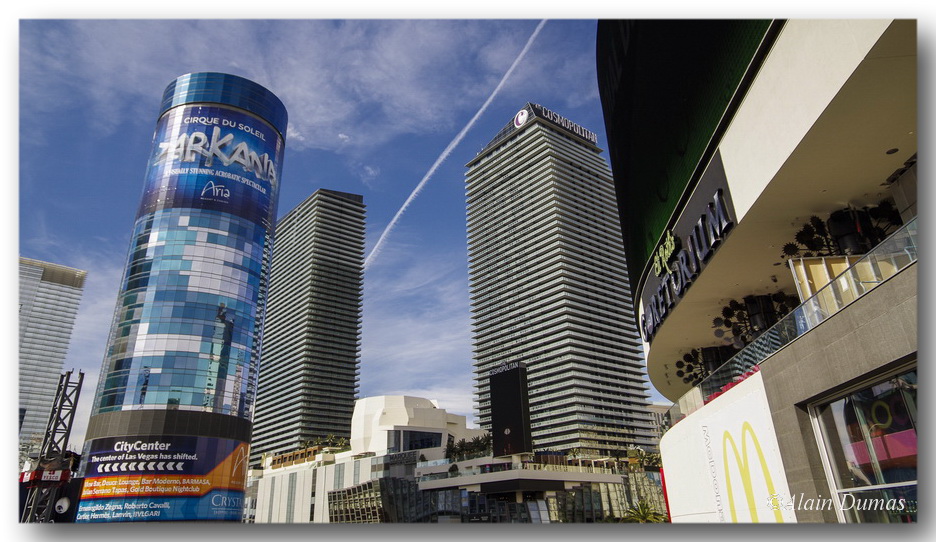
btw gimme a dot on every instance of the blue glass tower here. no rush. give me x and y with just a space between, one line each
170 427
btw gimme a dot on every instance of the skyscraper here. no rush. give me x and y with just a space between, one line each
48 303
309 370
170 426
549 287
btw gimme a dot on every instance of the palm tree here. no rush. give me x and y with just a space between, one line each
462 448
642 512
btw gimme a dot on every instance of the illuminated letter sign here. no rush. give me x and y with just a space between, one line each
662 256
563 122
704 238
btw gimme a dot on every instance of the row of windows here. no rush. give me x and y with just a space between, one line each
232 404
154 299
228 269
239 335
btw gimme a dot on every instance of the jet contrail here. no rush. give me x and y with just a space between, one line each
448 150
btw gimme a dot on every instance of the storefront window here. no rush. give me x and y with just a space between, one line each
871 445
402 441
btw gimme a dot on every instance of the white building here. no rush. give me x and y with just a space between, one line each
548 286
389 435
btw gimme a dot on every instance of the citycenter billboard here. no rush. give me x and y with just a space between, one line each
160 478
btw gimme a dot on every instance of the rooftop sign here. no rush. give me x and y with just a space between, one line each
562 122
531 111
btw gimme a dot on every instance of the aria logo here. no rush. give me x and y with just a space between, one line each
215 190
521 117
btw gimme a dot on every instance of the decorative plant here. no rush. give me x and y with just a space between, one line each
846 231
329 441
734 326
737 327
814 238
479 445
885 219
691 369
642 512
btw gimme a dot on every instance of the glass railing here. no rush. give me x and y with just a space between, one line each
895 253
433 463
501 467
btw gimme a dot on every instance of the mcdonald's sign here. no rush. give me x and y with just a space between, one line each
723 462
742 460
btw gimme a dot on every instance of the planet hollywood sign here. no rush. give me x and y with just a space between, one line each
683 267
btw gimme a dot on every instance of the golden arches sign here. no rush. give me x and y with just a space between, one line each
744 466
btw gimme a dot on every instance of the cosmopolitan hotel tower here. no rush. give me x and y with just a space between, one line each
766 174
546 266
310 365
170 426
49 295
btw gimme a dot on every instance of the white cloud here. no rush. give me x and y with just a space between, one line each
368 174
417 337
348 85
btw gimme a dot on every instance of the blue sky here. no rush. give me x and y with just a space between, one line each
372 105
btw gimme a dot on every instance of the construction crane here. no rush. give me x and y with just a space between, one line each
54 467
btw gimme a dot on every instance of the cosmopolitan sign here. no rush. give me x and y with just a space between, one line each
705 236
503 367
555 118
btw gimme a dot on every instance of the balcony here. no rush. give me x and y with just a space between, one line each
887 259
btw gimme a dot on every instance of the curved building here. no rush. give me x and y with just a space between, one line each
766 179
170 427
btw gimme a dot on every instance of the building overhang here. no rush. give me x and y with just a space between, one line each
844 159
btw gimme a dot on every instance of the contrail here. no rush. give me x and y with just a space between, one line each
448 150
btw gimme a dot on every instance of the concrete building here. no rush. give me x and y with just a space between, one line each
766 175
548 287
660 413
389 436
170 425
528 488
400 469
49 295
310 363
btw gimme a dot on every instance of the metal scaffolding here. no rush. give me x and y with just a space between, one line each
54 468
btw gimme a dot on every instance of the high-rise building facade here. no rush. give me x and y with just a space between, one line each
310 366
49 295
170 425
548 287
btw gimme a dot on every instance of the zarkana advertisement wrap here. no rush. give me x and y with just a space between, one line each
217 158
163 478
